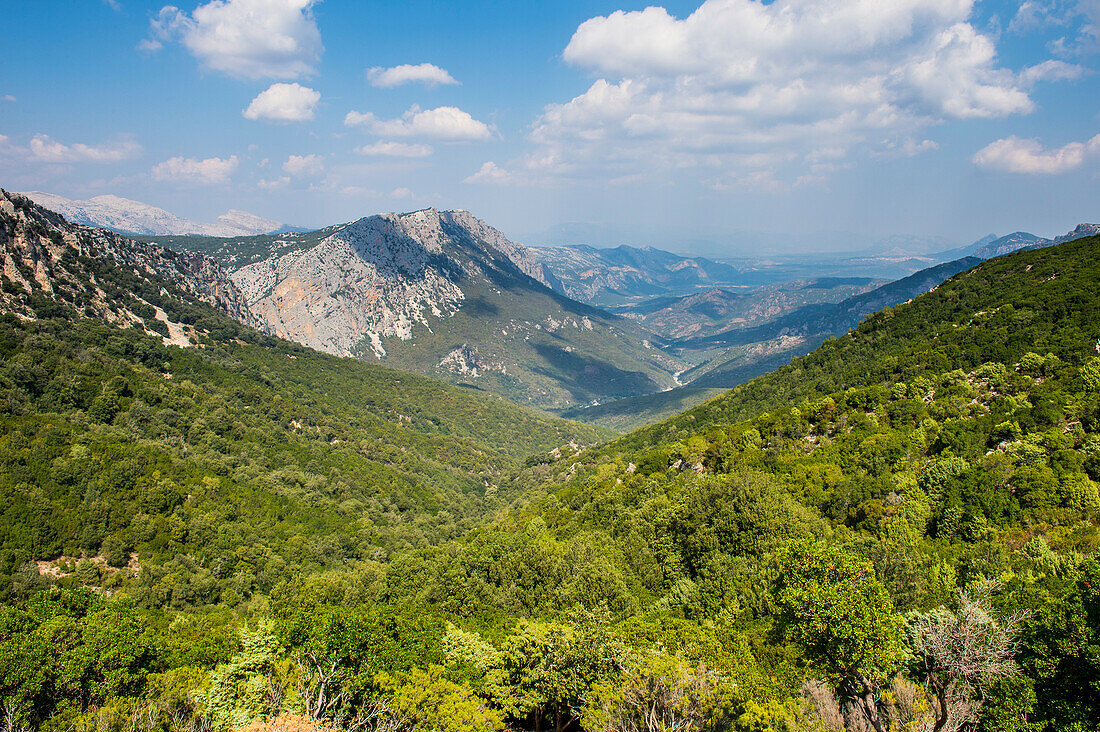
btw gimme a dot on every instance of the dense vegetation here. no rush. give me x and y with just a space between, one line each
897 531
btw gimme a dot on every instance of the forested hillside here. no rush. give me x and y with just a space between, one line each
897 531
209 473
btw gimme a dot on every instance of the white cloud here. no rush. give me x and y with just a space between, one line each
738 84
47 150
490 172
906 148
401 193
7 98
211 171
248 39
427 74
441 123
274 184
395 150
1028 156
1050 70
304 165
284 103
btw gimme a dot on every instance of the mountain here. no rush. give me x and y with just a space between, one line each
835 318
1008 244
1023 240
441 293
133 217
716 309
998 309
1079 232
624 273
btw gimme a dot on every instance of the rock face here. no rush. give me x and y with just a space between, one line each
444 293
373 279
105 275
135 217
1080 232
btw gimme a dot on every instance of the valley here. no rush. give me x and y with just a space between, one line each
719 366
204 472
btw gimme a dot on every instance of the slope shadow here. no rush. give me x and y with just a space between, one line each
587 378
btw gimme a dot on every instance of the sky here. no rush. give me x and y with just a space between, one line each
665 124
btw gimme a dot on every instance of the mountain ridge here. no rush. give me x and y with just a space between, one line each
127 216
443 293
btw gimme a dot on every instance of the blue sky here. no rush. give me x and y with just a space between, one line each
945 118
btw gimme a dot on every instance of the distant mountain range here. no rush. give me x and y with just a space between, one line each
624 273
133 217
746 350
1022 240
715 310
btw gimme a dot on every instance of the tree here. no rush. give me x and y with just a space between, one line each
658 694
834 609
548 668
239 691
959 653
1060 652
425 701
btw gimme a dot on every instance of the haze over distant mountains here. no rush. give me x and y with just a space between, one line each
134 217
443 293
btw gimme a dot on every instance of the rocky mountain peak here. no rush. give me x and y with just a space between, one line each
1079 232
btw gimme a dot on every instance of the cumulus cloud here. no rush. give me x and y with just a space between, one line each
304 165
427 74
211 171
1029 156
395 150
275 183
248 39
490 172
7 98
284 103
739 79
441 123
47 150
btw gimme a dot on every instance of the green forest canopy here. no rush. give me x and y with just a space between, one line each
794 554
